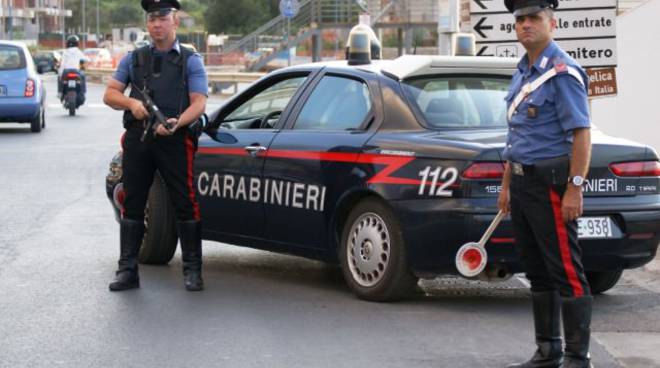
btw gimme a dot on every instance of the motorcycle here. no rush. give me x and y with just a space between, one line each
72 94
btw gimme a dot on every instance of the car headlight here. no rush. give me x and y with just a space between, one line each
115 169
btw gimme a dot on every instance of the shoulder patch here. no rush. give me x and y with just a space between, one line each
560 65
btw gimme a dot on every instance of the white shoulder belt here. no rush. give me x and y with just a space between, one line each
530 87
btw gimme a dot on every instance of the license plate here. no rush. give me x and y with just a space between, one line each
3 91
72 84
595 228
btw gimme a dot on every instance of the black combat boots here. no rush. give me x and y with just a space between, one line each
130 238
190 236
576 313
549 353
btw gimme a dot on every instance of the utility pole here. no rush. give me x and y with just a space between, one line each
98 32
10 21
84 28
447 25
62 12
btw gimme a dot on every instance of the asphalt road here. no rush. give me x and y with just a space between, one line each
59 247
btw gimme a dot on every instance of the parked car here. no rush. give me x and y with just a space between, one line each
47 61
388 169
22 93
99 57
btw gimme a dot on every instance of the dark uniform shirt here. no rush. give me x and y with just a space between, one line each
542 125
197 80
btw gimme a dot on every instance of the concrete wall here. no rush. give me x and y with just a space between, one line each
635 112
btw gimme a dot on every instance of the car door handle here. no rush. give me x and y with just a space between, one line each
255 149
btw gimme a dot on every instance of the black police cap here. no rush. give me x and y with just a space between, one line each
526 7
160 6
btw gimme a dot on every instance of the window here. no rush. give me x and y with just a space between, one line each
336 104
11 58
466 102
269 102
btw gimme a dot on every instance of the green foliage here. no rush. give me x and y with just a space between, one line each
231 16
216 16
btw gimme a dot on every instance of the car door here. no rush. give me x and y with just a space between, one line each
229 161
311 162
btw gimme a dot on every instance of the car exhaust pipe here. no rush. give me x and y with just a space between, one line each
471 257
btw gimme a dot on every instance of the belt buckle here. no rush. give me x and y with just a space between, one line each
517 169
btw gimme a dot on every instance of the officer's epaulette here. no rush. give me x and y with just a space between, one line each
561 67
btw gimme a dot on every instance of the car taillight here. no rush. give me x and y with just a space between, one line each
639 168
29 88
484 170
72 76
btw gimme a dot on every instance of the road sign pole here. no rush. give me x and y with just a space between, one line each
447 25
288 41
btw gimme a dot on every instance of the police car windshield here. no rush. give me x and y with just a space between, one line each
459 101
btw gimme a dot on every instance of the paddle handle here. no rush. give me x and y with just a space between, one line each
491 228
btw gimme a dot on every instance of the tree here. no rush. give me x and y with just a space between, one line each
230 16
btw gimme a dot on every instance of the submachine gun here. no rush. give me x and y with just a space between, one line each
156 116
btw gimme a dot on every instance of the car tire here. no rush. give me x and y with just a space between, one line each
373 254
602 281
160 237
37 123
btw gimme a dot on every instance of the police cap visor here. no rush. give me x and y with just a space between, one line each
527 7
161 6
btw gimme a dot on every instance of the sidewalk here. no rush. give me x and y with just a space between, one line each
636 349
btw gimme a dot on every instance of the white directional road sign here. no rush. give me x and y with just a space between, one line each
570 24
586 29
590 53
497 6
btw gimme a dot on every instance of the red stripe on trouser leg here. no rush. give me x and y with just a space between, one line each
122 209
190 153
564 250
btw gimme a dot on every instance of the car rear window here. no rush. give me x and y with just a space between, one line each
11 58
459 101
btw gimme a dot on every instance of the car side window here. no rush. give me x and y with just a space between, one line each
337 103
263 109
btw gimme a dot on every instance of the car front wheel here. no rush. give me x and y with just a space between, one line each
373 254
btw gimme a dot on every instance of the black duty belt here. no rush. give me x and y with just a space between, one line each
134 124
520 169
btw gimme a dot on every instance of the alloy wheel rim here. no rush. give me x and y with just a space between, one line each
368 249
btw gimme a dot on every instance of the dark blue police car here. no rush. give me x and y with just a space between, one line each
388 168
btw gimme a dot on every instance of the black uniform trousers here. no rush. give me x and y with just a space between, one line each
547 245
173 157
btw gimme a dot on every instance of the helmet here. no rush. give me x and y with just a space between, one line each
72 41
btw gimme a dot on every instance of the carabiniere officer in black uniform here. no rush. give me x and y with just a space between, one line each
548 152
175 79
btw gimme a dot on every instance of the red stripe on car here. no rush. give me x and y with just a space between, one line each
392 163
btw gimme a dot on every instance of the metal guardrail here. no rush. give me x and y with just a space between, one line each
215 78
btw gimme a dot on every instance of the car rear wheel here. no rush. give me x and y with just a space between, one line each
160 237
373 254
603 281
37 123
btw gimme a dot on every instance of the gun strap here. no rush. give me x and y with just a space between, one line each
185 54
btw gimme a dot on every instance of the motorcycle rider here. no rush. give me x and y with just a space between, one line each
73 60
